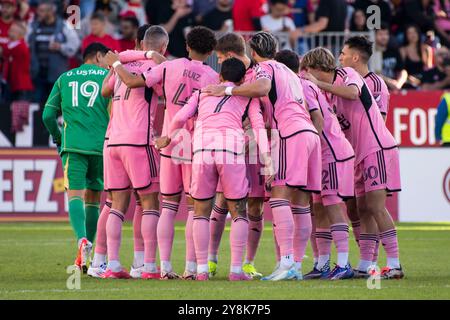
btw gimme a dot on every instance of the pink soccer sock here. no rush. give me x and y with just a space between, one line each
313 240
283 225
255 226
390 243
114 234
238 240
377 251
138 240
367 243
302 231
277 247
166 229
100 242
150 220
323 240
201 239
356 226
217 225
339 232
189 235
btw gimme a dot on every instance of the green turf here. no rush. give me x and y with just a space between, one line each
34 257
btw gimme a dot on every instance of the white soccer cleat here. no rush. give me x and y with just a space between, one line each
284 274
136 273
96 272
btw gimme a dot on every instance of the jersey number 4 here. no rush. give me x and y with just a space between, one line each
176 98
88 89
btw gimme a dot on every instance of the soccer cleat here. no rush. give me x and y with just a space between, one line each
122 274
169 276
204 276
319 274
96 272
340 273
392 273
79 259
239 276
251 271
150 275
86 256
189 275
283 274
212 265
358 274
136 273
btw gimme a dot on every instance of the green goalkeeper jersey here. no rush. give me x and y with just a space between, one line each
77 95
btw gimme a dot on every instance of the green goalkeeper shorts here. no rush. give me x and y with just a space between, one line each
82 171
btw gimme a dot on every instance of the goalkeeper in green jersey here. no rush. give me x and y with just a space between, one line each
77 95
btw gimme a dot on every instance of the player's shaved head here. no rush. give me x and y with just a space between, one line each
156 38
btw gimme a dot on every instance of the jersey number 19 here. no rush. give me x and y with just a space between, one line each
88 89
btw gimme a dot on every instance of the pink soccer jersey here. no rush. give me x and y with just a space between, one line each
134 110
360 119
286 110
379 91
219 122
179 79
335 147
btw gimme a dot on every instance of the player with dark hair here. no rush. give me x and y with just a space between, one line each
356 54
76 94
377 169
232 45
217 119
179 79
298 159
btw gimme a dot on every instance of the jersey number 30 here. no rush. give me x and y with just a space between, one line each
88 89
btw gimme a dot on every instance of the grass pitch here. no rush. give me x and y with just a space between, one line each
34 257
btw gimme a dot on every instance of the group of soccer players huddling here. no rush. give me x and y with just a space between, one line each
300 133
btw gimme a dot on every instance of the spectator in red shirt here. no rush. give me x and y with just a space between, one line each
129 26
246 14
98 33
17 59
8 9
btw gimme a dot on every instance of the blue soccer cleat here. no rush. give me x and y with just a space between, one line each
340 273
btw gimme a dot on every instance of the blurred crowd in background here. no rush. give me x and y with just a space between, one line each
40 39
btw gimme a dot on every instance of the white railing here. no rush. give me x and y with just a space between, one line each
331 40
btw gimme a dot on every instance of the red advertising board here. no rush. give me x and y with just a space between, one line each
411 117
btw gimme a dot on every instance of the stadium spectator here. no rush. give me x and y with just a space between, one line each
276 20
442 125
358 22
416 55
219 18
393 71
136 7
101 6
175 16
421 13
247 14
52 42
438 78
442 13
8 10
385 9
98 34
202 7
129 26
330 17
17 61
